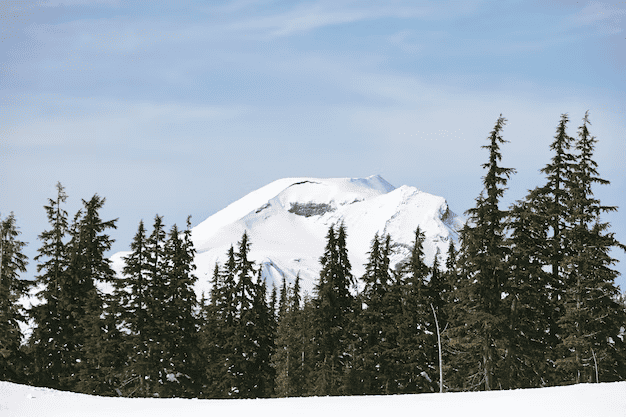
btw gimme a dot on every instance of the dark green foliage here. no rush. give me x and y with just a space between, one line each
291 343
49 342
551 200
527 361
88 266
156 305
590 325
238 332
263 333
334 308
130 297
252 341
12 263
380 357
550 207
480 318
283 356
180 331
70 342
212 341
417 338
438 289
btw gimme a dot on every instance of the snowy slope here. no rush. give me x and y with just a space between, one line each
287 222
606 400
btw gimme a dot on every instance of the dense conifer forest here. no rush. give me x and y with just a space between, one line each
527 299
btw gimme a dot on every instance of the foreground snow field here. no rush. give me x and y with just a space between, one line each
607 399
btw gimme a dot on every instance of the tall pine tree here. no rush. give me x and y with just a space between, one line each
591 323
483 254
12 263
416 340
379 356
334 307
49 343
88 267
131 293
180 321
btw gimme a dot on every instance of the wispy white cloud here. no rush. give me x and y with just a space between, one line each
309 16
57 3
602 15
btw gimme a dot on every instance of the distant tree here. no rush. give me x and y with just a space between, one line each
12 263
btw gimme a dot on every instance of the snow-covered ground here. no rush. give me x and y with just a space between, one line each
606 400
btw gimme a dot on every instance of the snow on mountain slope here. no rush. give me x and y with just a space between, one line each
287 222
606 400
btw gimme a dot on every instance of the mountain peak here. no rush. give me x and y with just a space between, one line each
288 219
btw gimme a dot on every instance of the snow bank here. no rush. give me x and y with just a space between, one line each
607 400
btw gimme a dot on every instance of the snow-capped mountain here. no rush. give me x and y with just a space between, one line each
288 219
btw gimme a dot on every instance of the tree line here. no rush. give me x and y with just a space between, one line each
528 299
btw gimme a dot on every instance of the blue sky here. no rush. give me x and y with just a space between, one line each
183 107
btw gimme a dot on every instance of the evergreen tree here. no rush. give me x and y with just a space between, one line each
88 266
12 262
156 304
247 330
274 303
227 320
334 309
483 253
416 340
438 289
212 339
282 357
527 361
552 199
50 342
308 349
264 333
289 353
283 304
131 293
550 205
181 326
378 359
591 323
243 343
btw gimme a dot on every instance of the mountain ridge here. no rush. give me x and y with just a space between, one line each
287 221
